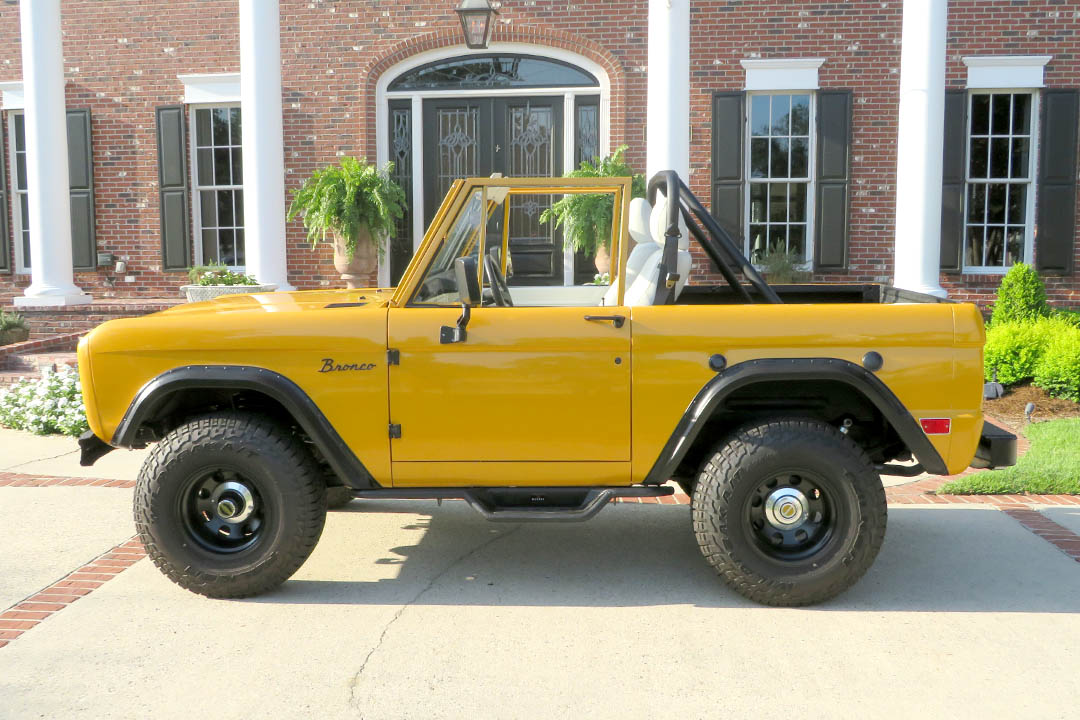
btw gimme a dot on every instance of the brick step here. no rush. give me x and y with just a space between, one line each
36 362
10 354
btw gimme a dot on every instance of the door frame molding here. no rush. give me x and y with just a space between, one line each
382 129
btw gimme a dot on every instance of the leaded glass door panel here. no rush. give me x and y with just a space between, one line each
528 143
457 144
519 137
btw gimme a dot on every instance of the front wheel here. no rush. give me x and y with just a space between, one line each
229 505
789 512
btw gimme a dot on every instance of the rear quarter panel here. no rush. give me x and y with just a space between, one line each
932 352
126 354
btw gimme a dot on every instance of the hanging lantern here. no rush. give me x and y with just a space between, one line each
477 22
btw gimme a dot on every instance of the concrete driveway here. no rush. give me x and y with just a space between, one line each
418 610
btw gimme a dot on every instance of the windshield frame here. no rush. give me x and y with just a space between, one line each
462 190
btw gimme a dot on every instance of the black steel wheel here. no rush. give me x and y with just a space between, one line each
229 505
790 516
223 511
789 512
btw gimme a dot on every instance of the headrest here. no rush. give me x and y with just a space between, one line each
640 211
658 223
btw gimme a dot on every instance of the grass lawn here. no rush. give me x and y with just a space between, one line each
1050 467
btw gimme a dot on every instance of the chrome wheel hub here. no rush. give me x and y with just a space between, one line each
786 508
233 501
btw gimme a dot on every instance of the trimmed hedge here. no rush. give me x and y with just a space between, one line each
1021 297
1013 350
1058 370
1046 351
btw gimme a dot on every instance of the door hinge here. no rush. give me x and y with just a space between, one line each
395 431
393 357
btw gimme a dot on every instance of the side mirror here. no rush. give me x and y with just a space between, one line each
467 283
469 292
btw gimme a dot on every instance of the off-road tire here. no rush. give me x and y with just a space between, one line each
734 472
337 497
289 485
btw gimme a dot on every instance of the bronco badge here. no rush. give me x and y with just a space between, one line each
328 365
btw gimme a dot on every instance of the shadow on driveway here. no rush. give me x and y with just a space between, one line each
934 560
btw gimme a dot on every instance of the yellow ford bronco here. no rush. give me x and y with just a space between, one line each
777 408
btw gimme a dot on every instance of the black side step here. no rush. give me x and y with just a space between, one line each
510 504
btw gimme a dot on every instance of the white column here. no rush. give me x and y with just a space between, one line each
919 147
263 143
52 277
668 119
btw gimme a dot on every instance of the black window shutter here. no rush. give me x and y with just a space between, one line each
953 181
5 240
173 188
81 182
1056 214
833 179
728 133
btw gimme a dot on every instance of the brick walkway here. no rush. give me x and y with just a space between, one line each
27 613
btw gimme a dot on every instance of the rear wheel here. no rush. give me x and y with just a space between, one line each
229 505
789 512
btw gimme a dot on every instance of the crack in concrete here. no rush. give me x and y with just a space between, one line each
30 462
431 583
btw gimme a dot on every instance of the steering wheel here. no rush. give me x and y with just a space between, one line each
499 290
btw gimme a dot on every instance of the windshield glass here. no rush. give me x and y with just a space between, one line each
439 286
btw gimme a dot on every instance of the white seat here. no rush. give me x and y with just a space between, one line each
643 290
644 247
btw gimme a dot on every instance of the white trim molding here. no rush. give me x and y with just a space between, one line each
782 73
13 98
211 88
1005 71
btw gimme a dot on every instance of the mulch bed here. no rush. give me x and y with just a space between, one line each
1011 407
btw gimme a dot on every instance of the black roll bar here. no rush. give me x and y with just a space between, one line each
681 198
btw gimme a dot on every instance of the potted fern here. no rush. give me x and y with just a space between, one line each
586 218
358 204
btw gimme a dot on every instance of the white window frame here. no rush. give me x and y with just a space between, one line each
196 214
1027 251
17 220
811 170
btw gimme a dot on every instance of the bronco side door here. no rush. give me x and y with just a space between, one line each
534 395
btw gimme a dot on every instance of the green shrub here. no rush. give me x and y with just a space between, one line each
1020 297
11 321
50 404
1013 350
1058 369
1070 316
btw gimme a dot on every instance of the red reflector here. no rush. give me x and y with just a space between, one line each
936 426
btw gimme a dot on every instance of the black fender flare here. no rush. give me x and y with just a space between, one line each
155 393
712 395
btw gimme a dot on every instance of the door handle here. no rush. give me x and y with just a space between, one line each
617 320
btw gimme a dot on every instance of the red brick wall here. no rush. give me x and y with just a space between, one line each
122 59
860 40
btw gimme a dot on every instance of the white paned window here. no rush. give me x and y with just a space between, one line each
1000 172
218 179
20 205
779 172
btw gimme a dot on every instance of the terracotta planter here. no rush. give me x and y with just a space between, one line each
602 260
365 261
14 335
201 293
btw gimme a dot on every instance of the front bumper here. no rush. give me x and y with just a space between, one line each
997 447
93 448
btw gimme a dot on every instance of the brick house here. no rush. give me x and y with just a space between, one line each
787 115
